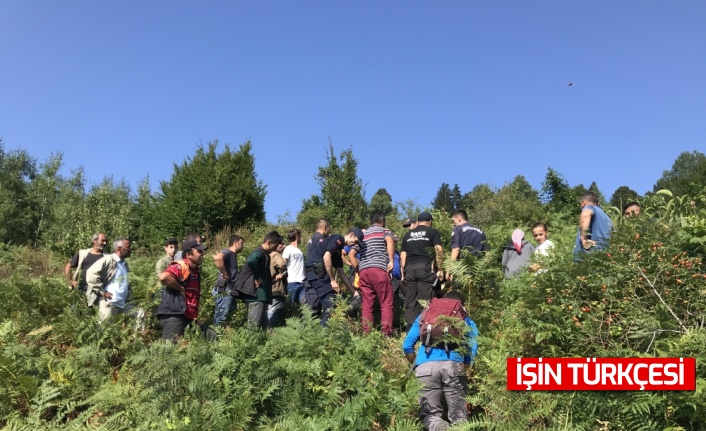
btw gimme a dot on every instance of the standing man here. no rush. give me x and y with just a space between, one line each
442 371
170 246
595 227
377 254
254 283
416 260
83 260
466 237
108 284
322 231
182 294
227 264
323 264
294 259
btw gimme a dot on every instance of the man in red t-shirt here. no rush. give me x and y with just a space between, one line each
180 298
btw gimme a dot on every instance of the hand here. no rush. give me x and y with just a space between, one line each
278 277
449 277
107 295
587 243
257 282
336 288
224 275
440 274
390 265
72 284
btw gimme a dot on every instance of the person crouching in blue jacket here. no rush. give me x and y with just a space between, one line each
442 373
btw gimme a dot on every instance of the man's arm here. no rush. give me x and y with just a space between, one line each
439 261
68 276
219 260
171 282
328 265
403 261
342 274
390 243
251 262
584 226
455 252
95 275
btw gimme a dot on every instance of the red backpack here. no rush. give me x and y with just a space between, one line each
443 321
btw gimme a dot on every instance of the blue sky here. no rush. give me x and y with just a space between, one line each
463 92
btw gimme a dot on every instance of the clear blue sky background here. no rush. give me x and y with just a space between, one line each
463 92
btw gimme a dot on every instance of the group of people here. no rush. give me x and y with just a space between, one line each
277 273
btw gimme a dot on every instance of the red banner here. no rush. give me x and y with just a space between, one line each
601 374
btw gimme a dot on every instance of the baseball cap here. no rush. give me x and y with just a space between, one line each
357 232
424 216
408 222
192 243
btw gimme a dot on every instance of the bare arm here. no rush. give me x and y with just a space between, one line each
220 264
390 243
352 258
455 252
403 260
328 265
171 282
346 281
584 225
67 275
439 261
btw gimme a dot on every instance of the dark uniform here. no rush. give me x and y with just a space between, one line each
419 279
316 274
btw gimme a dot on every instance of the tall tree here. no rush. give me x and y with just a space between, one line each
341 199
594 189
212 191
688 173
477 204
17 208
382 201
456 197
556 193
622 195
444 199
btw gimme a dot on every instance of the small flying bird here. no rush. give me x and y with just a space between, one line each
571 84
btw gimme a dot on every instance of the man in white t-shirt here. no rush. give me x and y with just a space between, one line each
294 259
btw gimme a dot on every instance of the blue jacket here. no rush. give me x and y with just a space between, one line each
439 354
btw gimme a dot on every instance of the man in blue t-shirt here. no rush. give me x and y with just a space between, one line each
595 227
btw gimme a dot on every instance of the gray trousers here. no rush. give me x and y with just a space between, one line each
257 315
445 379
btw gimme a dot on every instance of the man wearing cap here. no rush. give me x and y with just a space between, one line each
182 294
410 223
377 254
416 260
323 263
466 237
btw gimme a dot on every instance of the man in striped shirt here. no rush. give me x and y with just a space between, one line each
377 251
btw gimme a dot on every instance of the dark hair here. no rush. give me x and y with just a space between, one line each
233 239
591 197
192 236
171 241
455 294
460 213
377 217
273 237
540 224
293 234
631 204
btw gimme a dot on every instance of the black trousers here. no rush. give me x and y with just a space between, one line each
419 284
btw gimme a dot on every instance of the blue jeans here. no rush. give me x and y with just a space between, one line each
225 306
275 312
294 290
